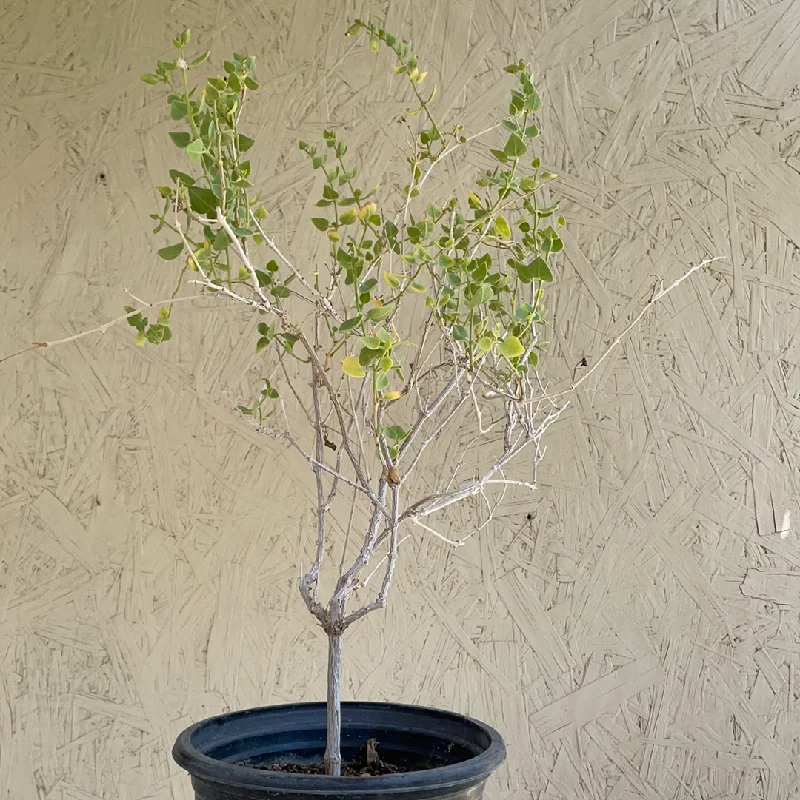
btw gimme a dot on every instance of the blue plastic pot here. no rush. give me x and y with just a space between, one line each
217 752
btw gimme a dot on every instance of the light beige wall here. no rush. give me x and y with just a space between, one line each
637 637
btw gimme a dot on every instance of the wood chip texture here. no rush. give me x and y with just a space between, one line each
633 627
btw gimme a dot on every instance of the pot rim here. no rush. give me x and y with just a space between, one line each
452 776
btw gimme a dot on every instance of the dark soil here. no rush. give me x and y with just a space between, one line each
348 770
366 763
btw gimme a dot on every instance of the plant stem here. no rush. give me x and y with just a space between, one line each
333 750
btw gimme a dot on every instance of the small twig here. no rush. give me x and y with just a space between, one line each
329 307
453 542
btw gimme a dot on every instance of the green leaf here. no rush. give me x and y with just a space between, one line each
203 201
368 355
381 382
195 150
396 432
433 211
171 252
151 79
485 344
180 139
177 110
445 261
460 333
343 258
320 223
348 217
417 287
221 240
540 270
480 295
329 193
262 343
178 176
380 313
531 132
351 367
244 143
201 58
515 147
503 230
511 347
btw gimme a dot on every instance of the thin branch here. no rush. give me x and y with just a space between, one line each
657 295
101 329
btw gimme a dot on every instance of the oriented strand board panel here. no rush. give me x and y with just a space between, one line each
633 628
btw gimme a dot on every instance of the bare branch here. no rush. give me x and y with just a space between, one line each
658 294
380 601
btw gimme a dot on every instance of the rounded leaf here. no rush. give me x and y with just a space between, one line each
351 367
511 347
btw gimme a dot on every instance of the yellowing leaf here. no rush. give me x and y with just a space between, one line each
503 230
473 199
140 339
391 280
485 344
367 210
351 367
395 395
511 347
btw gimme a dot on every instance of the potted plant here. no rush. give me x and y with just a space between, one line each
426 314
